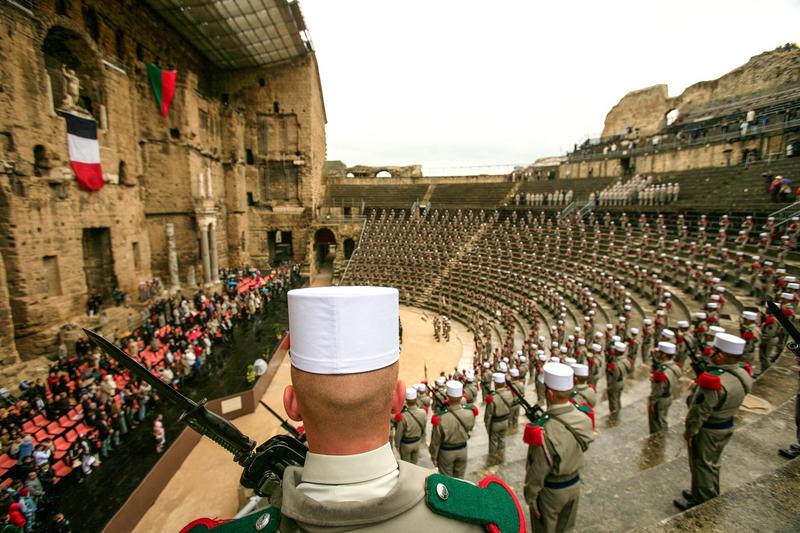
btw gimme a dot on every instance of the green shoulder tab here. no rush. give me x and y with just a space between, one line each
263 521
715 371
489 503
662 368
541 421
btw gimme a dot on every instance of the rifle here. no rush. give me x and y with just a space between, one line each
532 412
439 403
263 465
786 324
285 423
698 365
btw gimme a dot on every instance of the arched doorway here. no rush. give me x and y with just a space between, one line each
349 248
324 248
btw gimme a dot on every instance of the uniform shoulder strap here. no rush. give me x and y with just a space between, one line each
491 503
264 521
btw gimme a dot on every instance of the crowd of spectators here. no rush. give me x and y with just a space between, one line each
65 426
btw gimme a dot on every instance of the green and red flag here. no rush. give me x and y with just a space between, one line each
163 84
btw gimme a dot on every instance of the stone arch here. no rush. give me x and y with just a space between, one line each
324 247
383 174
69 47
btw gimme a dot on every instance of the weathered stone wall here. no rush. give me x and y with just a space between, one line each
189 169
645 109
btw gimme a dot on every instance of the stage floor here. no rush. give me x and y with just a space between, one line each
207 483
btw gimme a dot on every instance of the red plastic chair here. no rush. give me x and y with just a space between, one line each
29 427
71 436
41 436
66 422
40 420
55 429
6 461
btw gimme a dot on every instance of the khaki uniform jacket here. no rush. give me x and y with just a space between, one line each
448 430
402 510
499 407
717 397
470 391
664 382
584 393
411 424
560 458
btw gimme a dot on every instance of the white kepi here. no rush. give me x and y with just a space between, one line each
411 393
455 389
328 333
729 344
558 376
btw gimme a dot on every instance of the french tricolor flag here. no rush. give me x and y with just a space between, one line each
84 151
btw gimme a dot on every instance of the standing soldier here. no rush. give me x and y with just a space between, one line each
410 428
647 339
541 359
423 400
470 388
450 433
486 380
751 333
664 383
437 324
556 443
583 391
769 341
446 326
513 415
350 472
498 409
615 377
633 348
593 362
716 398
523 369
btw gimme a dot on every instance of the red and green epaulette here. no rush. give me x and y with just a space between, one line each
659 375
490 503
710 379
265 521
586 409
533 435
435 419
472 408
489 398
747 367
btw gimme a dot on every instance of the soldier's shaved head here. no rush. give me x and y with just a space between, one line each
345 413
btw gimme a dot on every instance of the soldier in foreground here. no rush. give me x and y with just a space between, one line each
718 393
410 428
555 455
343 392
450 433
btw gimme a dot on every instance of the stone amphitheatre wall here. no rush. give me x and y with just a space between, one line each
239 154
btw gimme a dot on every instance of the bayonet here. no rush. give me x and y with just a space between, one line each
794 345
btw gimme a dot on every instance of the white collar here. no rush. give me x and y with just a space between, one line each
347 469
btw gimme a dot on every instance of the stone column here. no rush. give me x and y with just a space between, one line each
212 243
172 254
191 279
205 256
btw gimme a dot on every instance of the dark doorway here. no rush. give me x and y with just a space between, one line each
349 247
627 169
325 247
98 261
280 246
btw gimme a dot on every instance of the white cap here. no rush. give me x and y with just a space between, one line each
749 315
411 393
787 296
667 333
554 344
634 331
619 346
523 359
581 341
729 344
716 329
581 370
555 359
570 361
486 364
470 376
558 376
597 347
542 357
700 315
420 387
502 367
499 377
712 305
514 372
715 297
455 389
327 330
793 286
563 349
683 324
616 338
441 380
647 322
666 347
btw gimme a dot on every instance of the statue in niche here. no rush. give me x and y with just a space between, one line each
72 89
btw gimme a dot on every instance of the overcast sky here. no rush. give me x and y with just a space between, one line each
459 83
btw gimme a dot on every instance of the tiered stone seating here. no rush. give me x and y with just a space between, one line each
517 273
469 195
386 195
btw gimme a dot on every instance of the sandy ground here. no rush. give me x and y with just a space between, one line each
207 483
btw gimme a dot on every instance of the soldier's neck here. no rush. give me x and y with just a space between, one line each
337 442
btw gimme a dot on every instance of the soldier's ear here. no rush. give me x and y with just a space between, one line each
399 396
290 404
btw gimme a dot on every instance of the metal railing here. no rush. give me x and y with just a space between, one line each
588 208
782 216
571 208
